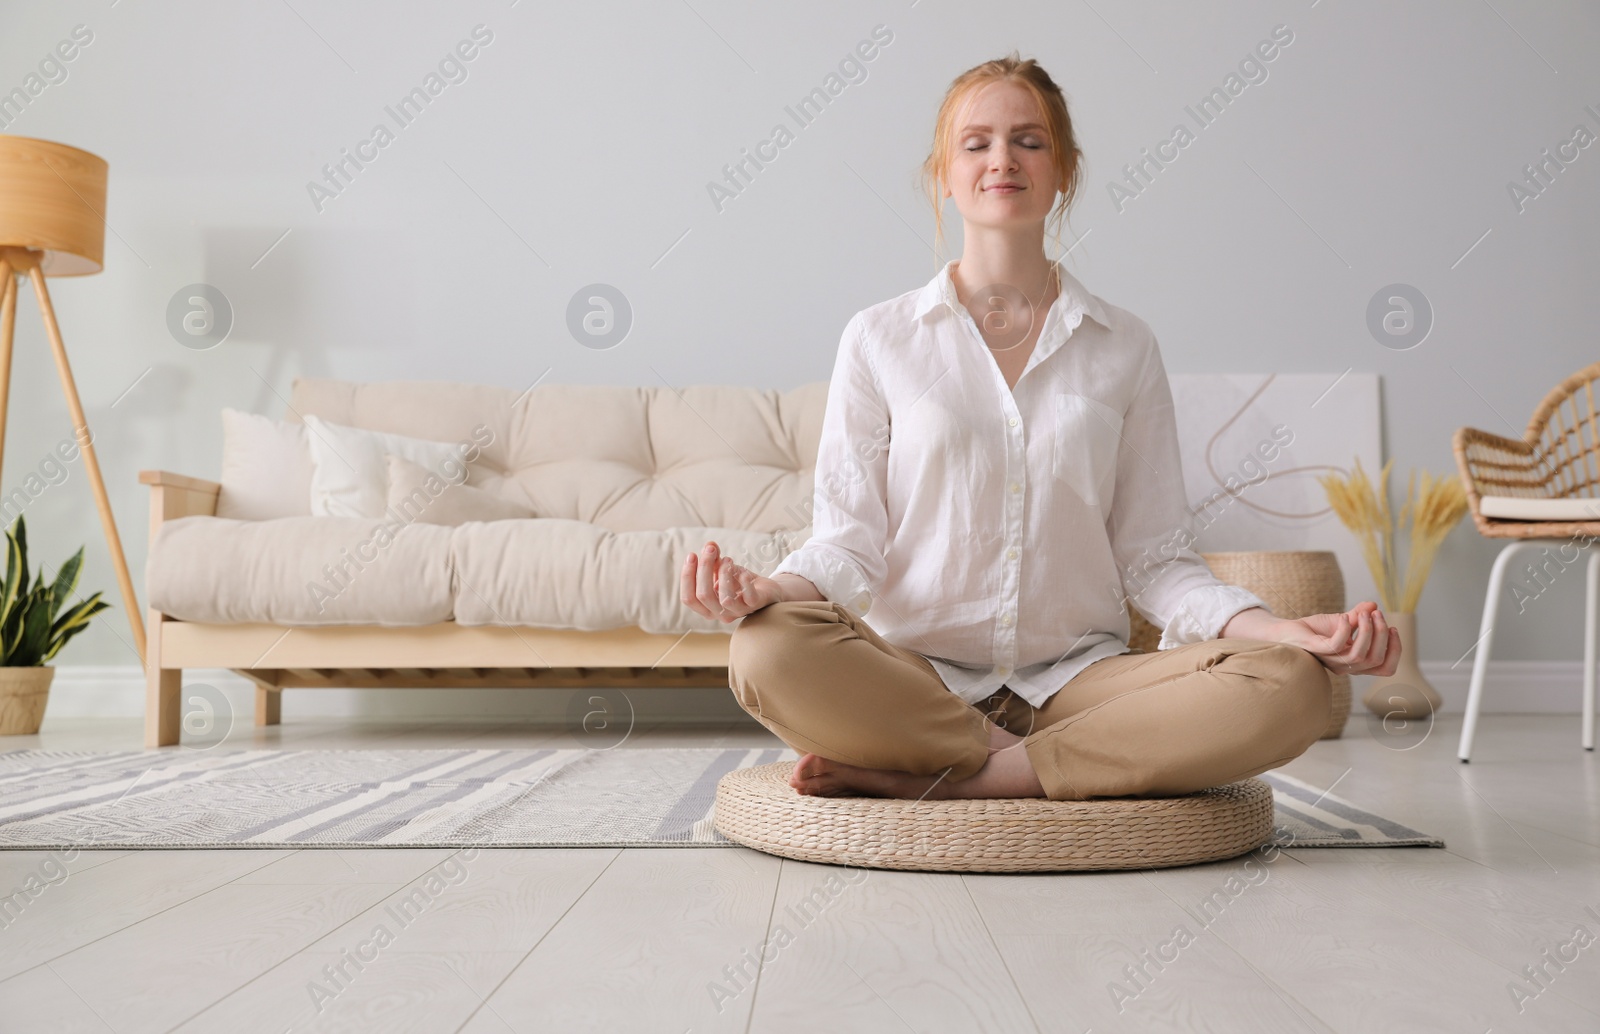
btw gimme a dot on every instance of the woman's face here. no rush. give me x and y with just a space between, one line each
1002 173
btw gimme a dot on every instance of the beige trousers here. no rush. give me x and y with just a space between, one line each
1135 725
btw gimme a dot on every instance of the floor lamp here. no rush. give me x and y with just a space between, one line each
51 224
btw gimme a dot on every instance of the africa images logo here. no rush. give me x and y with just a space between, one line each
452 70
852 69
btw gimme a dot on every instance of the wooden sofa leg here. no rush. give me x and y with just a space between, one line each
162 713
269 706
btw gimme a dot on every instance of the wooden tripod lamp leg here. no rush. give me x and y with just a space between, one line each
130 600
8 326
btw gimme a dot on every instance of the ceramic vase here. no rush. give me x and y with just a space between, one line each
1405 694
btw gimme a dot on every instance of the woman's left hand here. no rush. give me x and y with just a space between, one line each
1356 642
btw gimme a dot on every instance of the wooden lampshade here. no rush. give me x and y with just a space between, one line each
53 200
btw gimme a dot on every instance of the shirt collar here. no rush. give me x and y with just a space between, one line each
941 289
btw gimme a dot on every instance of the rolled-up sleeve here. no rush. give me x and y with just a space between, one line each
1150 527
844 557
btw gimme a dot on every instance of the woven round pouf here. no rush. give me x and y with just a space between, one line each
758 808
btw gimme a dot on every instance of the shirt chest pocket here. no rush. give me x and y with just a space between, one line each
1085 439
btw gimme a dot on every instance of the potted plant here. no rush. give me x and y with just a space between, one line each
33 629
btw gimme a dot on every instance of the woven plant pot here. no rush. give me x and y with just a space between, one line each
23 694
1294 584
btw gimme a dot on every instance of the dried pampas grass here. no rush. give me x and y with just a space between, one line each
1429 515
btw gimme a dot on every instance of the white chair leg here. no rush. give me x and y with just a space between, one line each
1480 664
1591 599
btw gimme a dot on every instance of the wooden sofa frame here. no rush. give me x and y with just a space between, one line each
441 656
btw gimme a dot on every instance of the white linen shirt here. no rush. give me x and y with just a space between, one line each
985 527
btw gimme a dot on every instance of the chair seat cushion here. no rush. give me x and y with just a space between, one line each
758 808
1523 508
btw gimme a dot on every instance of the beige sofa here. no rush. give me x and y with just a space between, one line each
625 482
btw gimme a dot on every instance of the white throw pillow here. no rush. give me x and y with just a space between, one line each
349 476
266 468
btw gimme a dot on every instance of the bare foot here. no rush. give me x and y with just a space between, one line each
1007 773
818 776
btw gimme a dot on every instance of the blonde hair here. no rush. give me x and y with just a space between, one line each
1057 130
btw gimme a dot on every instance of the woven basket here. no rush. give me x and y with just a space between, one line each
1294 584
24 692
758 808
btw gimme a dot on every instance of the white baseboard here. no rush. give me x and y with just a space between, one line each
117 691
1510 687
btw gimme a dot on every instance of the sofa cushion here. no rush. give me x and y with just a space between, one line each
301 571
623 458
556 573
418 494
538 572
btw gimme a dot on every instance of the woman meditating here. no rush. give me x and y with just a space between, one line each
997 480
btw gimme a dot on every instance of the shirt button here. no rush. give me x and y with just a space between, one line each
1006 620
1012 421
863 602
1011 554
1015 487
1002 671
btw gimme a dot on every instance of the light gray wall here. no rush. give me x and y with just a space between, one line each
580 146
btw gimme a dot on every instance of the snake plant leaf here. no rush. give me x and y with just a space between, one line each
59 643
79 615
66 583
21 534
61 633
35 629
11 630
14 562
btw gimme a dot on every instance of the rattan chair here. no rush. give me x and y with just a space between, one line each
1540 491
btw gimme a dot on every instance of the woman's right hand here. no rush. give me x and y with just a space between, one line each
715 586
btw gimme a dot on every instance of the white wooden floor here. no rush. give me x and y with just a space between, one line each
1359 940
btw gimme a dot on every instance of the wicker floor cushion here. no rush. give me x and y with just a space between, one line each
758 808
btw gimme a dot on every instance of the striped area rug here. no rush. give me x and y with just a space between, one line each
1304 816
577 797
